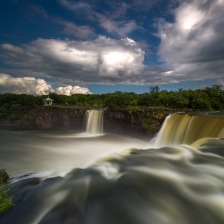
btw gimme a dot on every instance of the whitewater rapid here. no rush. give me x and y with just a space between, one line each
180 180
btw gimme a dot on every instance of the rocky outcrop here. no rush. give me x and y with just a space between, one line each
140 123
9 124
53 118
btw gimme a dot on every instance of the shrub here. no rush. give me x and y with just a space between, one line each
6 200
4 177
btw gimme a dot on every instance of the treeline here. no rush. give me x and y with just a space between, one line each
206 99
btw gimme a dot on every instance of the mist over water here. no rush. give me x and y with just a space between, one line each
177 180
25 152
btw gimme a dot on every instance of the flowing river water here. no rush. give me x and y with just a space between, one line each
95 178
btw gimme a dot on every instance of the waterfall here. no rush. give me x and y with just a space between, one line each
94 121
186 129
178 184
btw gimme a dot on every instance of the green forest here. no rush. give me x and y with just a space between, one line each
204 99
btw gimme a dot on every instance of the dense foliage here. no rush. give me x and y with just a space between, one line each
209 98
5 199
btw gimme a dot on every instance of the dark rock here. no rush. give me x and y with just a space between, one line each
140 123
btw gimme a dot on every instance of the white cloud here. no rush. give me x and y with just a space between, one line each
121 28
27 85
34 86
103 60
69 90
13 49
111 19
192 46
79 7
189 16
72 29
75 5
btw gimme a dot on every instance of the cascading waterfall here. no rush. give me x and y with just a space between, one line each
186 129
177 183
94 121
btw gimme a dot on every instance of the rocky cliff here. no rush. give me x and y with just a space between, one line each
140 123
52 118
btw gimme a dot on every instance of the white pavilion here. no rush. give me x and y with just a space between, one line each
48 101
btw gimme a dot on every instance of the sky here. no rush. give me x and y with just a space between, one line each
101 46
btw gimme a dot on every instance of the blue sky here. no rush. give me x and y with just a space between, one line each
72 46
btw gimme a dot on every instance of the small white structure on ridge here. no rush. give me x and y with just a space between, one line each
48 101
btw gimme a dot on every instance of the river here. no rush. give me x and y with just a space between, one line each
177 178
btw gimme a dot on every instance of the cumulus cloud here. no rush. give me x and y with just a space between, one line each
69 90
27 85
103 60
34 86
192 46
